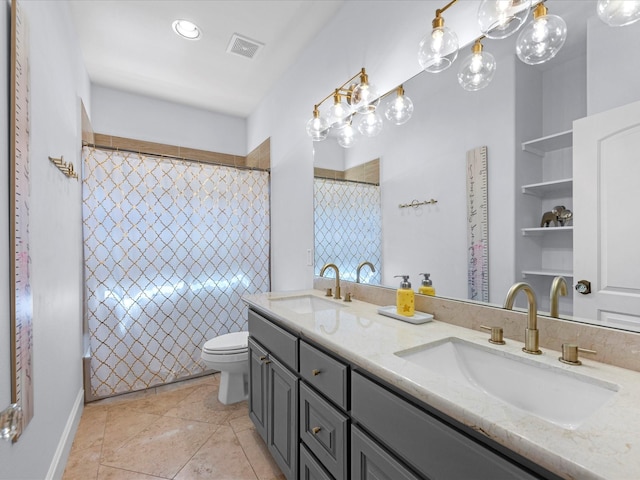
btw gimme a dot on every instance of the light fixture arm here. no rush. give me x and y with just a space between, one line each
341 89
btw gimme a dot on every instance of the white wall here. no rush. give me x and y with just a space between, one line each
128 115
57 80
613 61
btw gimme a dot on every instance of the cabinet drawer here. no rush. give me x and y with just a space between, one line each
430 446
324 430
326 374
369 461
279 342
310 469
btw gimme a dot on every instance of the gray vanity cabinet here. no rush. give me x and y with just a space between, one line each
323 419
273 392
424 442
369 461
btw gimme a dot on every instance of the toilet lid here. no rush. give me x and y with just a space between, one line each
235 342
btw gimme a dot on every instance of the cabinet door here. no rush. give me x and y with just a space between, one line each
369 461
282 419
258 387
310 468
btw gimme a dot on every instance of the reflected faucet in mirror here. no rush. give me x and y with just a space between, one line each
531 334
336 293
558 287
369 264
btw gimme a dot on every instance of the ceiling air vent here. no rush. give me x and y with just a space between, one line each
244 46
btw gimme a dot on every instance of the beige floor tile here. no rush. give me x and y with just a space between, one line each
241 422
110 473
162 448
91 428
83 464
221 458
203 405
122 425
256 451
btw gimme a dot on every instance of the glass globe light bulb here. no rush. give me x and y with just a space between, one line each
370 124
501 18
477 70
399 109
347 136
618 13
339 112
317 127
439 48
542 38
364 98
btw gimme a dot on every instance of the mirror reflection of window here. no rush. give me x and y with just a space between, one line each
348 227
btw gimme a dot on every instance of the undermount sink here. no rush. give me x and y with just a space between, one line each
308 303
564 398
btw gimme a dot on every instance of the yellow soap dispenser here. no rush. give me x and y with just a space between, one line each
427 285
405 302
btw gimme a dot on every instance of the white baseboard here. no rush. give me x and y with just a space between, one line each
59 461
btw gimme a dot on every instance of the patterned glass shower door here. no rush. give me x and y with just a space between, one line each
170 247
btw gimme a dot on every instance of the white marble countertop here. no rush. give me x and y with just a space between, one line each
605 446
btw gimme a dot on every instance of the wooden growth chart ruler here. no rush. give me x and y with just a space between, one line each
477 225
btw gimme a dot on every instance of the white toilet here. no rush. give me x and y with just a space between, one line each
229 354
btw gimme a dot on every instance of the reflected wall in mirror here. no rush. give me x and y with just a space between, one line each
596 70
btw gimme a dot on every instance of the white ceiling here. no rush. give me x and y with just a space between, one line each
130 45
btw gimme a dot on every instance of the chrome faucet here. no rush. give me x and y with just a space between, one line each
373 269
531 334
336 293
558 287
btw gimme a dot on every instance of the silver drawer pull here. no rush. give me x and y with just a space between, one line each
315 430
315 372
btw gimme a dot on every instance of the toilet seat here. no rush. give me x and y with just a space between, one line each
229 344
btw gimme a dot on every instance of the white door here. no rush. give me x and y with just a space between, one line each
606 204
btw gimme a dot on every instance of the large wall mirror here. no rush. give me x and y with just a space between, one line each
425 161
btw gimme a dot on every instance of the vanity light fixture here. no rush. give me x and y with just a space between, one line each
186 29
317 127
501 18
400 108
477 70
438 49
362 100
542 38
618 13
364 96
347 136
339 113
370 124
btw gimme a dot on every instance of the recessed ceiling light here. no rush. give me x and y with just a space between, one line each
186 29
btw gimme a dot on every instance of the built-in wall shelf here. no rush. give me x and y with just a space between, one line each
550 143
547 273
552 188
539 231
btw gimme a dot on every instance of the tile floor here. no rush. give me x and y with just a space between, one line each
179 431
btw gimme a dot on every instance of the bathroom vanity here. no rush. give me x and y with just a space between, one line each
340 392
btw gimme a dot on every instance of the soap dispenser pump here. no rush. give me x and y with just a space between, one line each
405 301
427 285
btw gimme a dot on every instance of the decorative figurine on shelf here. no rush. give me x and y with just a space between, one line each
558 214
